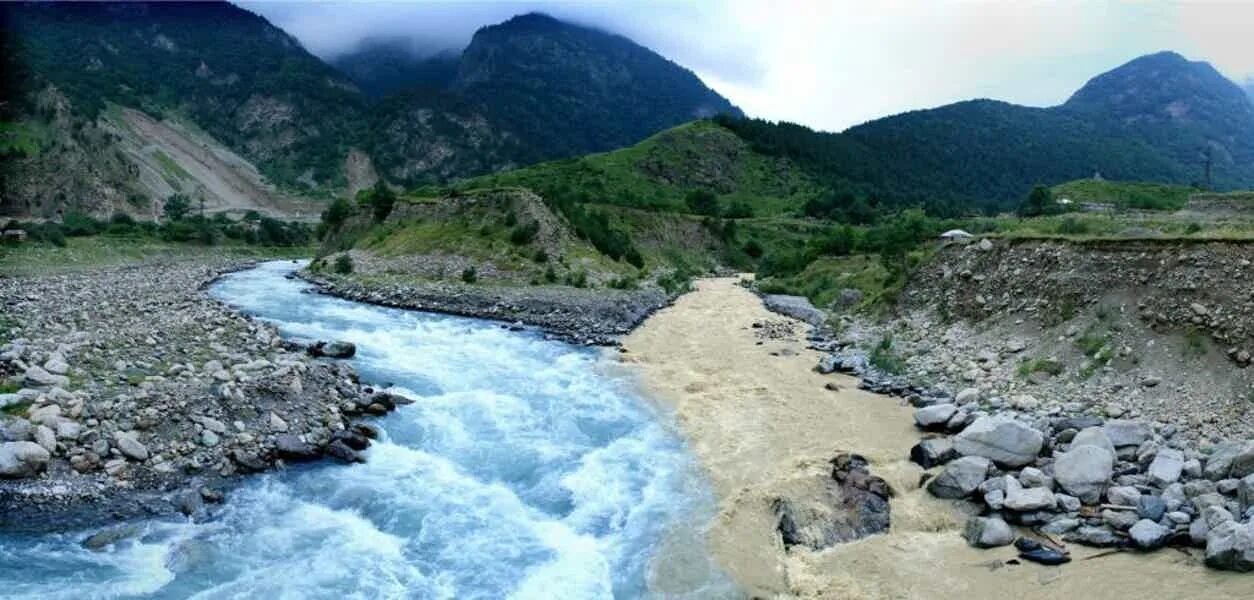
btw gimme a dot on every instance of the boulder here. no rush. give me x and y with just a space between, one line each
1148 535
934 417
967 396
1098 536
960 477
1230 546
130 447
1125 432
982 532
931 452
336 349
1245 492
1151 507
292 448
37 376
1123 495
56 364
1029 499
340 451
1085 471
1166 467
46 438
22 459
797 307
1002 440
1219 463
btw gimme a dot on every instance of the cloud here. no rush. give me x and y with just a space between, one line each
831 64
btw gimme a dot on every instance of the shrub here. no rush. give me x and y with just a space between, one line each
176 207
522 235
470 275
343 264
702 202
550 275
753 248
577 279
633 258
739 210
335 215
885 359
540 256
76 224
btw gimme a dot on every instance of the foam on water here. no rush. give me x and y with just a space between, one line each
522 471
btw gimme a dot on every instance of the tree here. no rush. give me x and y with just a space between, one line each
176 207
702 202
336 214
1039 202
382 200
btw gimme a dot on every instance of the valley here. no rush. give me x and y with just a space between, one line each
542 314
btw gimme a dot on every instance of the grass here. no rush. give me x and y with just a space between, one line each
18 409
25 138
1126 194
884 358
103 251
1196 342
1040 365
173 173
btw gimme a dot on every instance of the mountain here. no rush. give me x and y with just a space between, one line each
567 90
116 106
384 66
1155 118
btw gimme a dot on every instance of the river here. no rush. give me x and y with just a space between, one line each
526 468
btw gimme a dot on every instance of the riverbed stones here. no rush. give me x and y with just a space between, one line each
333 349
1123 495
130 447
291 448
1125 432
22 459
988 532
1000 439
960 477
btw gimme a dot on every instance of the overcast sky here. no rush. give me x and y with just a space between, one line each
831 64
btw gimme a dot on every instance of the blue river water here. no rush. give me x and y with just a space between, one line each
526 468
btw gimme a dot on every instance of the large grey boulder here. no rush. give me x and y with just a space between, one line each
1219 463
1084 472
1166 468
1148 535
982 532
931 452
797 307
22 459
934 417
1029 499
960 477
1230 546
1124 432
1002 440
1092 436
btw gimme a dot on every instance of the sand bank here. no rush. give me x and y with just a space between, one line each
761 421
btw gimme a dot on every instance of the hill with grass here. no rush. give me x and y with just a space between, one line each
1125 194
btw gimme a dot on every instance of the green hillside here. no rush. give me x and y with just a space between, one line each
1125 194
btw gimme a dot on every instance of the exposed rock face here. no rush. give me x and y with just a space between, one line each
1000 439
850 506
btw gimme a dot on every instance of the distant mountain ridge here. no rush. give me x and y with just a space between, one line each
307 127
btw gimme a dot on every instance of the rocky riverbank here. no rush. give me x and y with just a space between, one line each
767 427
129 392
577 315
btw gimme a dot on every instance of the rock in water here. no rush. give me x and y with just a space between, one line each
1084 471
851 505
797 307
291 448
1002 440
931 452
934 417
960 477
983 532
22 459
336 349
